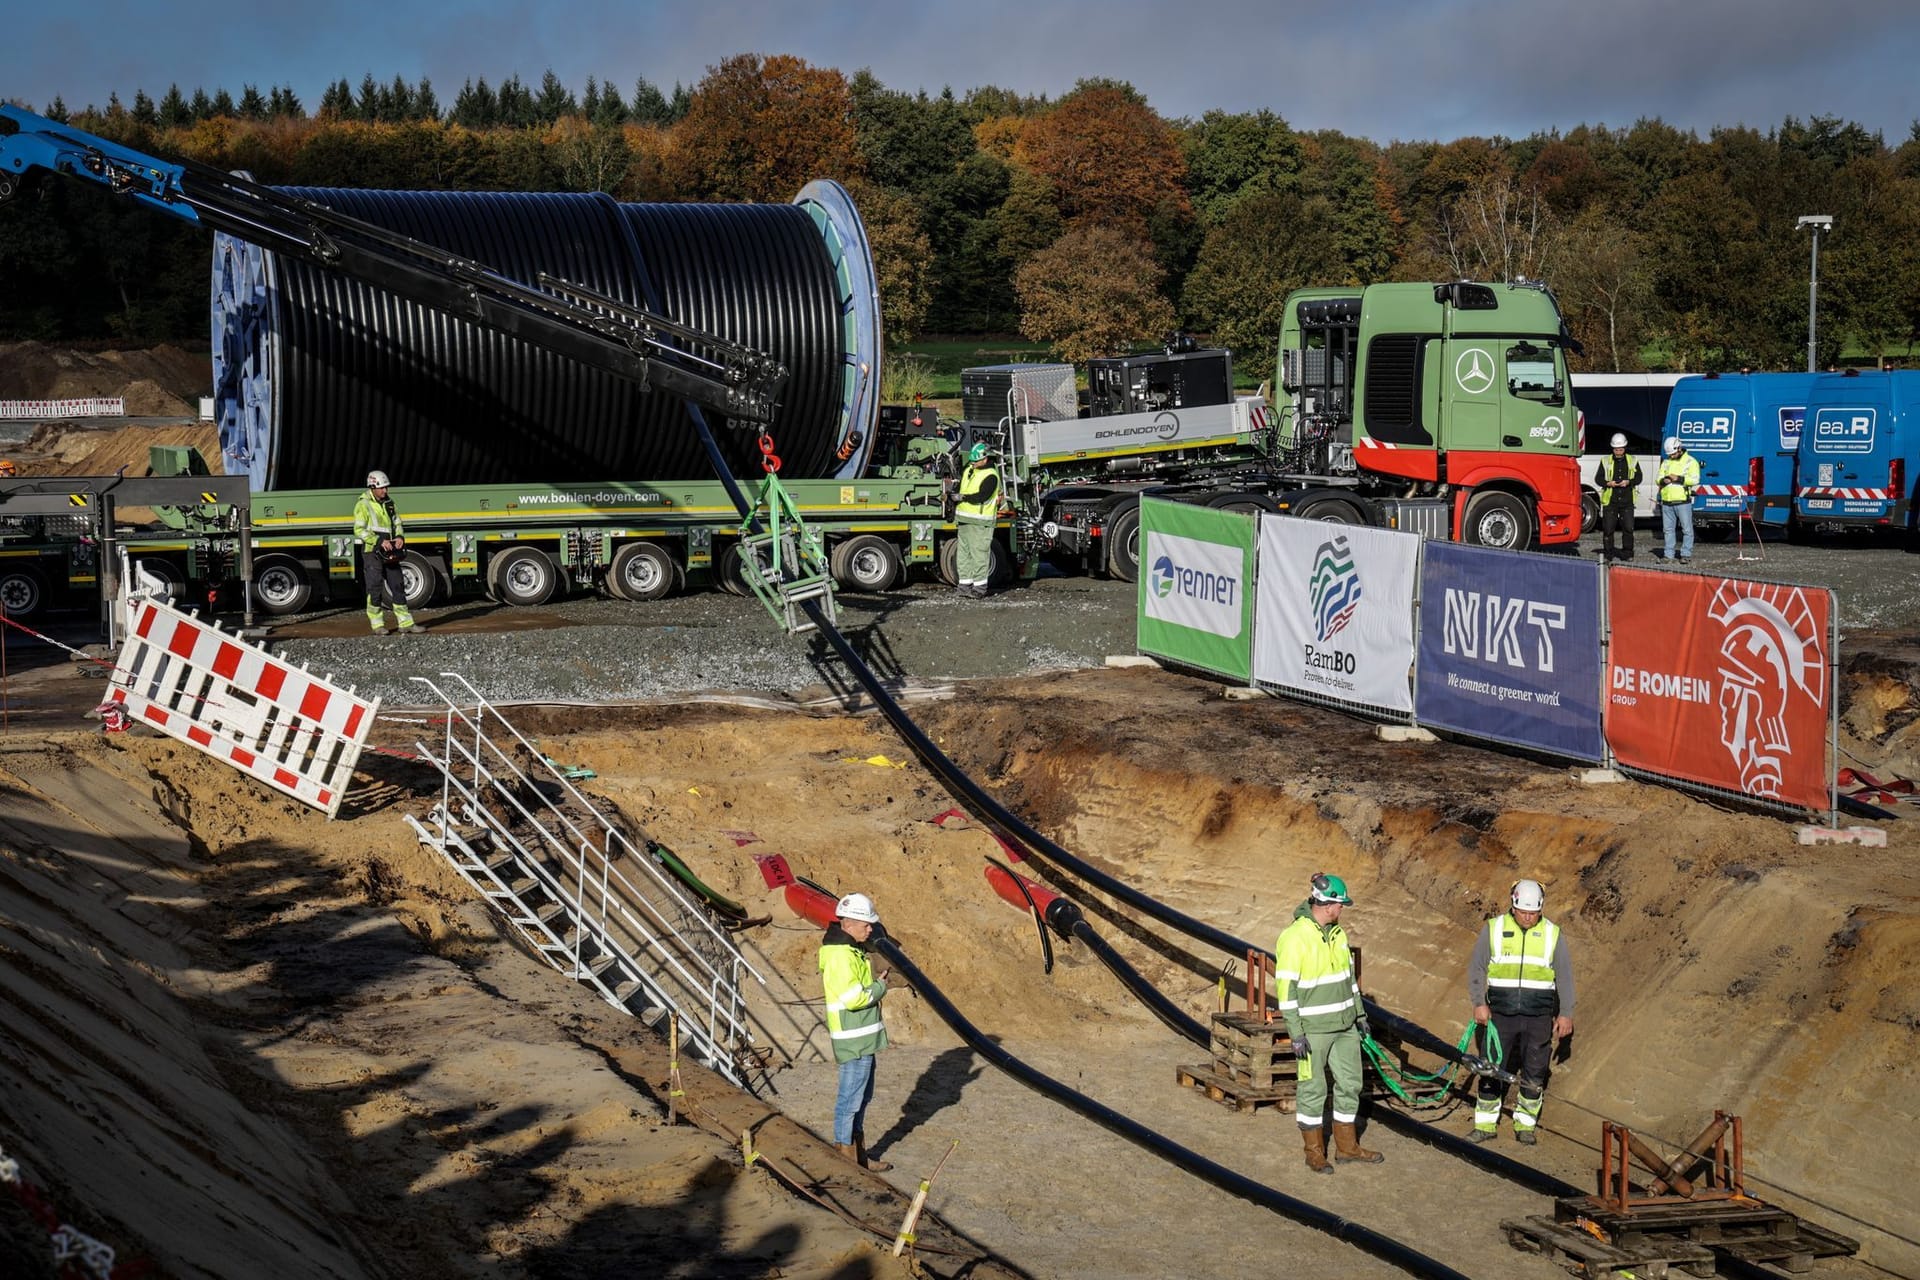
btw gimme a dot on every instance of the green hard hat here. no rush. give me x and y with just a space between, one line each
1328 888
978 452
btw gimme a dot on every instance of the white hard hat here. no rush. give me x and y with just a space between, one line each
1528 895
1618 442
857 906
1672 444
376 479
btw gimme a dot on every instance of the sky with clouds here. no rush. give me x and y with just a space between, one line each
1380 69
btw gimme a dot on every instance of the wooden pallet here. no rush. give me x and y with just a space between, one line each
1744 1229
1252 1051
1230 1092
1588 1255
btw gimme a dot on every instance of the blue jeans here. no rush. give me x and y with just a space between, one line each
850 1105
1681 514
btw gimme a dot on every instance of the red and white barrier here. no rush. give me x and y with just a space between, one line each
195 683
95 407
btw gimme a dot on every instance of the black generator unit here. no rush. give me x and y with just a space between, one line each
1146 383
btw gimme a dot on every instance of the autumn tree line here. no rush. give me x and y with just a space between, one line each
1091 222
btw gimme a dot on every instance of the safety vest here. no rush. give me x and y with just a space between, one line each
853 1002
1313 970
969 506
374 520
1679 477
1520 976
1620 468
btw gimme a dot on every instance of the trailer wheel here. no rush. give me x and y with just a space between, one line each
1589 511
730 575
522 576
1123 545
281 585
420 579
1498 520
947 562
865 563
1333 512
21 593
641 571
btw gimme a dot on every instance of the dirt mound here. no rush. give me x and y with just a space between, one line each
154 376
64 449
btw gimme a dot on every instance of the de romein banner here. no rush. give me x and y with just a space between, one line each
1722 682
1510 648
1196 571
1335 613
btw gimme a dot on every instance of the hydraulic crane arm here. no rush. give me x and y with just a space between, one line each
570 320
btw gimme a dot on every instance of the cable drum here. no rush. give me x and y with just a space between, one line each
319 376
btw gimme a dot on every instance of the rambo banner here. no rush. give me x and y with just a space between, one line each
1721 681
1334 615
1510 648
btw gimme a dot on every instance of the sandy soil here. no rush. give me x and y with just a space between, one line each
221 999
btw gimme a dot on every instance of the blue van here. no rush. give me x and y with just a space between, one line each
1858 450
1745 431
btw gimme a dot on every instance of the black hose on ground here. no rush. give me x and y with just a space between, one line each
1065 915
1380 1246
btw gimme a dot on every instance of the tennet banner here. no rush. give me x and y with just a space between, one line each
1510 648
1721 681
1196 572
1706 430
1335 610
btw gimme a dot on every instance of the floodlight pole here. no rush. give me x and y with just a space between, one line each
1816 222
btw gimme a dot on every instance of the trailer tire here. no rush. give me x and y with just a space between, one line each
1123 545
730 573
642 571
22 593
1589 511
281 585
421 578
865 563
522 576
1498 520
947 562
1333 511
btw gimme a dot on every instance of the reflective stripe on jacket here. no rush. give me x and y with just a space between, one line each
1313 976
979 493
374 520
853 998
1520 973
1679 477
1622 468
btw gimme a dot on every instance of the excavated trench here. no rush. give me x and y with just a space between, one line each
247 995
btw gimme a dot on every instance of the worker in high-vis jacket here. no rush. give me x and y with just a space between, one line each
1318 997
975 513
854 1021
1519 981
381 536
1678 477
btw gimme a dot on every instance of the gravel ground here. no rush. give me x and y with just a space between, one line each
596 650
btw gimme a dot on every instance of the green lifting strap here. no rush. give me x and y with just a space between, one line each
785 564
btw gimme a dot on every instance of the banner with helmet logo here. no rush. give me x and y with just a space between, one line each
1334 616
1196 575
1510 648
1723 682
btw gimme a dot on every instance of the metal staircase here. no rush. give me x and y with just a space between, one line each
584 894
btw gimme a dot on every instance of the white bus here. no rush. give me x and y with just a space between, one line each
1635 405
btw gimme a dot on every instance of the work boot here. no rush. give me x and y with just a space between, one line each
417 629
1482 1135
866 1161
848 1150
1525 1137
1316 1140
1347 1148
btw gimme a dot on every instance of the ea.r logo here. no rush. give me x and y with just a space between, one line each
1334 591
1473 370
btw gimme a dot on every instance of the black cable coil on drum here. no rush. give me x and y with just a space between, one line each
360 378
